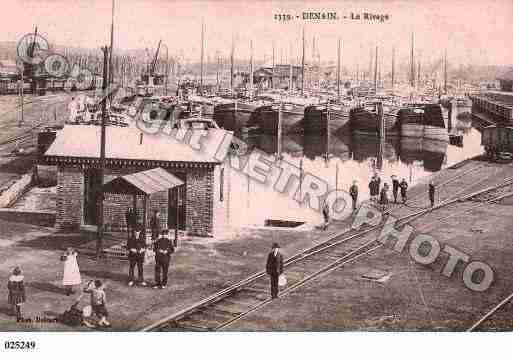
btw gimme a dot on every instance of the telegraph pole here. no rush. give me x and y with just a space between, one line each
99 198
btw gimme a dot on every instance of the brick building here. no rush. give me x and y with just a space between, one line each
202 205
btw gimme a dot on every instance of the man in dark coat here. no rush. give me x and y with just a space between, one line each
163 250
274 268
155 225
395 187
131 221
353 192
136 250
326 215
432 193
404 187
383 197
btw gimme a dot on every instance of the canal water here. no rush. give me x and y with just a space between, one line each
339 160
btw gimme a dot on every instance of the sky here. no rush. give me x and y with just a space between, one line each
473 31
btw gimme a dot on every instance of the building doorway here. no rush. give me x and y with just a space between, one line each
174 211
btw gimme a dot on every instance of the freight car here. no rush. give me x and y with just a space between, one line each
498 142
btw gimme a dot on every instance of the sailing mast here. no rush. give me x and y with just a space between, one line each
217 70
251 71
303 65
272 78
231 66
202 55
412 63
290 69
376 72
111 77
393 67
445 71
338 70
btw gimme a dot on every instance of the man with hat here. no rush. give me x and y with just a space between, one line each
353 192
163 250
395 187
274 268
136 250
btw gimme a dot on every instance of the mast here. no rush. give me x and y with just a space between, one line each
376 72
393 67
272 78
231 66
338 70
412 63
290 69
111 75
445 71
251 71
202 55
303 65
217 70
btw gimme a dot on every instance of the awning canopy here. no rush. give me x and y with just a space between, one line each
143 183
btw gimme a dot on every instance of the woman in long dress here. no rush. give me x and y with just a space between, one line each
71 275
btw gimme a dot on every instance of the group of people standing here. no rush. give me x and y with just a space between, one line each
163 247
381 195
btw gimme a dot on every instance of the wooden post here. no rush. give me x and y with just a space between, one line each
381 121
449 116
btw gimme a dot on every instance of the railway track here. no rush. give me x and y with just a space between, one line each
251 294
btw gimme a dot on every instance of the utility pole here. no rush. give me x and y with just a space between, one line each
111 72
99 198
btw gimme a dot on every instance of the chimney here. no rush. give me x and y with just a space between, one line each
141 138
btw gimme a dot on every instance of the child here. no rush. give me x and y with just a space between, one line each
98 301
16 292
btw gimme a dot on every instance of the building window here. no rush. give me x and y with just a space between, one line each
221 185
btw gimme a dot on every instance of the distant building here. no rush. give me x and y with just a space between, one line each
202 200
506 81
264 77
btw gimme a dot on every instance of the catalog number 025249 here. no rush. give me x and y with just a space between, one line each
20 345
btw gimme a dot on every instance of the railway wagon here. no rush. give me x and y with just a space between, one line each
498 142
